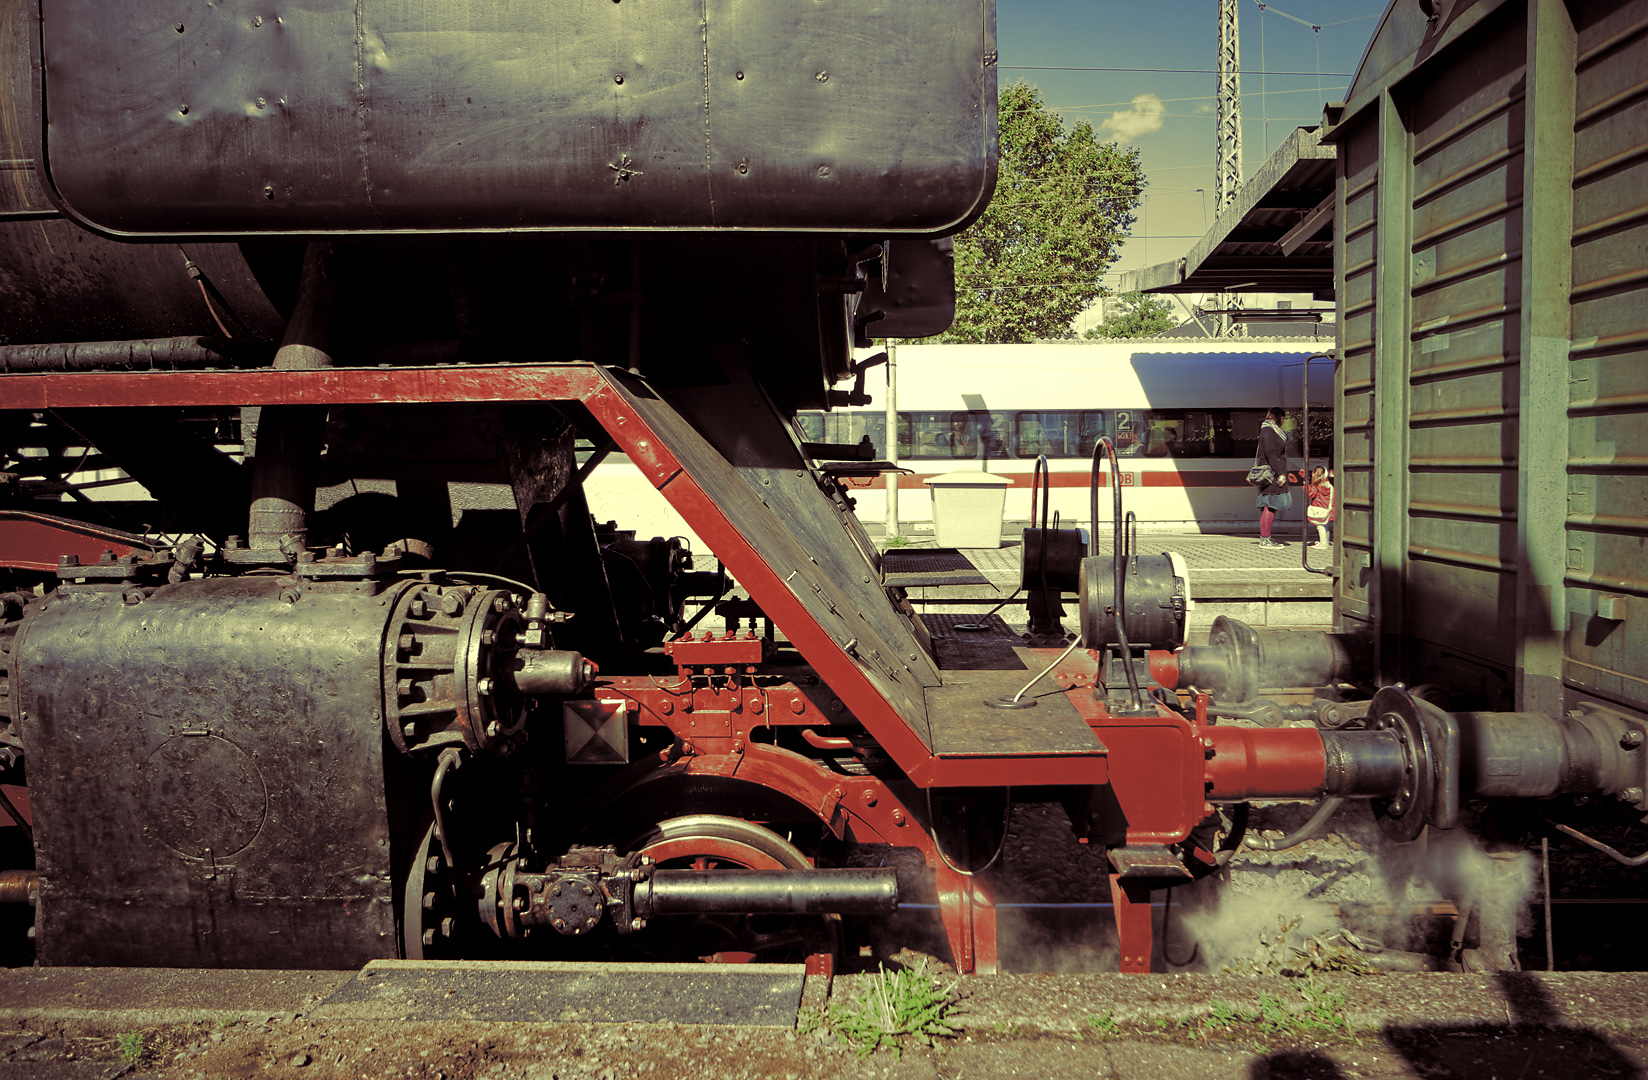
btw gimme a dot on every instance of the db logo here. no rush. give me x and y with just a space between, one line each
1130 479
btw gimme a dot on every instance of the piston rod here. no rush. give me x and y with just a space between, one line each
767 892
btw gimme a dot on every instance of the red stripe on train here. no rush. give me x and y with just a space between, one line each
1130 478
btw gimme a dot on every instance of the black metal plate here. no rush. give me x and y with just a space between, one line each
928 566
168 117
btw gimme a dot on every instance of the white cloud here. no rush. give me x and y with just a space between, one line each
1144 117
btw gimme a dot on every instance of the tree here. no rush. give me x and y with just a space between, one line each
1140 316
1064 203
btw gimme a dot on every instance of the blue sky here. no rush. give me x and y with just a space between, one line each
1175 133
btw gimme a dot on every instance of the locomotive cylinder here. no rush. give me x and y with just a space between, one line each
210 776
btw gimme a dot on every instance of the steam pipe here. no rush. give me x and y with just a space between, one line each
147 354
767 892
290 436
1302 763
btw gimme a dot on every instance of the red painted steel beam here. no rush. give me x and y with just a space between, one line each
1265 763
30 541
327 386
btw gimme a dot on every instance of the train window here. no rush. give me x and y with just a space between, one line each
959 434
844 427
1321 433
1056 434
1131 426
1244 433
1177 433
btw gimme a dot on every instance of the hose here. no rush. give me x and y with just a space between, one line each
1006 816
450 759
1327 809
980 625
1068 649
1118 586
1238 832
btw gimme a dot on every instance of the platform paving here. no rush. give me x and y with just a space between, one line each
87 1024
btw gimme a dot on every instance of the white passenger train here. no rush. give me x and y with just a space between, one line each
1184 415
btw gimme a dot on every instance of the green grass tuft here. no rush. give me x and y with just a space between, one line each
909 1002
130 1046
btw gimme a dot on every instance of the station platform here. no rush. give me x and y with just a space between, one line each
1230 574
109 1024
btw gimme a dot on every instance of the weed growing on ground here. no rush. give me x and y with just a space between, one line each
1320 1014
1105 1026
910 1002
130 1045
897 541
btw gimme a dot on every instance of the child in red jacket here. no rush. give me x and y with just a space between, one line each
1319 509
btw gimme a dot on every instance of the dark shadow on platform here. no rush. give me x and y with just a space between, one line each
1295 1065
1538 1042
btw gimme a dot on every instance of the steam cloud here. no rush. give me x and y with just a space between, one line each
1144 117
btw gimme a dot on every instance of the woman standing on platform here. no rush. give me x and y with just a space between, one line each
1274 497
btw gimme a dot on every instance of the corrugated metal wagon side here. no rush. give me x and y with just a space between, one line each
1493 209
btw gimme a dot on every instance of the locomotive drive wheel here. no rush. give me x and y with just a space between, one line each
716 842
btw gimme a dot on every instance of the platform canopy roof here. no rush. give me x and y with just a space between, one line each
1277 237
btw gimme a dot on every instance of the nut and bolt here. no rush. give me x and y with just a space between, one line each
484 688
447 926
638 924
1632 794
560 924
1630 740
499 605
520 903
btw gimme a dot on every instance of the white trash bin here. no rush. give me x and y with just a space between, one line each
968 506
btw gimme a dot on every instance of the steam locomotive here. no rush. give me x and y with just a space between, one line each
360 294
